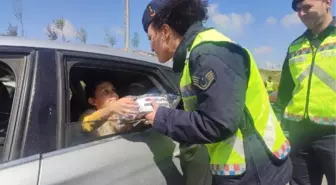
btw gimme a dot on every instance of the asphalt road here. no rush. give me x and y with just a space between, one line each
324 182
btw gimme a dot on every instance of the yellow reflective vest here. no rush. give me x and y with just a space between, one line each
228 156
269 85
314 74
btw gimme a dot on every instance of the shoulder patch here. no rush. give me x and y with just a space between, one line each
204 81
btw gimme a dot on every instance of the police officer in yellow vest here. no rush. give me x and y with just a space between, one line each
226 105
269 85
307 94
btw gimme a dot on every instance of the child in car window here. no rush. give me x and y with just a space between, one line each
101 119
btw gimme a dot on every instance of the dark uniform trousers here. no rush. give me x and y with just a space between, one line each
260 169
195 165
313 153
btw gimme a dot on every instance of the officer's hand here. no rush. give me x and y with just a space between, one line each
151 116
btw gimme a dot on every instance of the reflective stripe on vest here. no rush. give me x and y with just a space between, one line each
313 72
227 156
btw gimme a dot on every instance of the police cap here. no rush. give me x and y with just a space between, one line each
152 9
294 3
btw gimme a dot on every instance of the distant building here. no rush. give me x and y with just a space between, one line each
272 66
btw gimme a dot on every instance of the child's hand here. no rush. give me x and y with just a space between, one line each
123 106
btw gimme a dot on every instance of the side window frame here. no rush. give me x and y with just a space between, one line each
68 59
22 70
172 77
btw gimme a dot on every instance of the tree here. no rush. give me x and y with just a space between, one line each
12 30
82 35
110 39
51 33
59 24
135 40
18 13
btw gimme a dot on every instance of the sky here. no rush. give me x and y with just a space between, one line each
265 27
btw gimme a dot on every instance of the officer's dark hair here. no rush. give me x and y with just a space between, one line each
181 14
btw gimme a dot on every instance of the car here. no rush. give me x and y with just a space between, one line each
41 142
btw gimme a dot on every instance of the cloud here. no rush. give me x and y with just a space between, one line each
290 20
118 30
69 30
271 20
263 50
232 22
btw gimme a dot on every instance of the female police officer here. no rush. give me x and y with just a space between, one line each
225 102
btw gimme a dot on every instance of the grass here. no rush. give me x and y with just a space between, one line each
274 74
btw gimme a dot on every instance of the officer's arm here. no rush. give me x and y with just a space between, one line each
286 86
220 103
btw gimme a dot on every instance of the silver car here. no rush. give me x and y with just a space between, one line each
41 142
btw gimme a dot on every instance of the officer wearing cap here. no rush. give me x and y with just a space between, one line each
307 94
226 105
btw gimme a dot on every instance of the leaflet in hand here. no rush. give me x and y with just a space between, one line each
145 104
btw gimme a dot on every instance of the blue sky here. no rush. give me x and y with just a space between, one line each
265 27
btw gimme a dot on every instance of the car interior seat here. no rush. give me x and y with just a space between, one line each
136 89
140 87
78 102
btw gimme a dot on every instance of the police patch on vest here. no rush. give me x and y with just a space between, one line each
205 81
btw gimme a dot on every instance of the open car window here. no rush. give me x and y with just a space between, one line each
135 82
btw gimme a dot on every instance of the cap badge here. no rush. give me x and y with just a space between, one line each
151 11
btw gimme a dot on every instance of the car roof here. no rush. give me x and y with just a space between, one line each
80 47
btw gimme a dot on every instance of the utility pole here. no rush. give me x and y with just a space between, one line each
127 26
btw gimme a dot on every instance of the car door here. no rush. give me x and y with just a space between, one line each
140 157
24 171
16 64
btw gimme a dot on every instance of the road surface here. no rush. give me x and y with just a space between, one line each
324 182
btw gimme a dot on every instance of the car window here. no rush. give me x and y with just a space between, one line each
174 77
82 126
7 90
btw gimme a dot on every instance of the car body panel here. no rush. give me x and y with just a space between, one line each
79 47
148 160
27 168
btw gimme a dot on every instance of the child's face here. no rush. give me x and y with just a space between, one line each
104 91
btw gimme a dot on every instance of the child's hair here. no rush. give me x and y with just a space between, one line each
90 86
